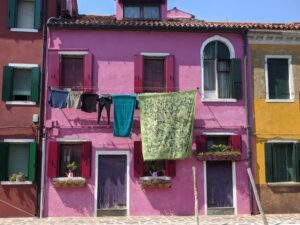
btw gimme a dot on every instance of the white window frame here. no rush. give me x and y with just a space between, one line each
291 78
25 141
232 55
21 66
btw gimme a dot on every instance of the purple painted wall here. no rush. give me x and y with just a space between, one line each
113 72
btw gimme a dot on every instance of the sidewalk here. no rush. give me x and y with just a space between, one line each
283 219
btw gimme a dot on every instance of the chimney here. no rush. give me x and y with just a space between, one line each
69 8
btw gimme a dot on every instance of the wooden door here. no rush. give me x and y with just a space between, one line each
219 184
112 182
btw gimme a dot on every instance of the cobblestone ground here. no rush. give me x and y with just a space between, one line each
207 220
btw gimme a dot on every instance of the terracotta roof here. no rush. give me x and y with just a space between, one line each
110 22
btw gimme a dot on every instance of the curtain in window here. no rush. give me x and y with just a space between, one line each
132 12
224 80
209 75
18 159
151 12
22 82
25 17
282 162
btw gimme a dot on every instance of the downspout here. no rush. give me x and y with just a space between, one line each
248 114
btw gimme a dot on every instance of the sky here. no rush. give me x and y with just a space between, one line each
216 10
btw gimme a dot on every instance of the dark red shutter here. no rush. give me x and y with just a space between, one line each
86 159
138 73
54 69
236 142
201 143
138 159
170 73
170 167
53 158
88 71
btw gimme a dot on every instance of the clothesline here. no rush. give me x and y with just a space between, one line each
106 90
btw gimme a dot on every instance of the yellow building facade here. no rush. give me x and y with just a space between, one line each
275 59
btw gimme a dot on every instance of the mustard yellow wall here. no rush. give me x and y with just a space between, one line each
273 120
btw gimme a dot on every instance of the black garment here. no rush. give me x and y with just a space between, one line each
104 101
89 102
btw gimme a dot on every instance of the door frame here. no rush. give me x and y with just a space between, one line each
99 153
234 194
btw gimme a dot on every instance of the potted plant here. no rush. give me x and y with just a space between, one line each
220 153
18 177
71 168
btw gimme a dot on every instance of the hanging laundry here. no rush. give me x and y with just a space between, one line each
74 99
124 106
58 98
89 102
104 101
167 123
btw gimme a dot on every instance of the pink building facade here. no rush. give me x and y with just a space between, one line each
108 51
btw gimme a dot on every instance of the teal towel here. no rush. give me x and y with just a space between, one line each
124 106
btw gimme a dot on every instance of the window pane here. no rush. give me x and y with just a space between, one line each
282 162
18 159
132 12
70 153
151 12
223 52
217 140
25 14
209 75
154 166
210 51
278 76
72 72
224 85
22 82
154 75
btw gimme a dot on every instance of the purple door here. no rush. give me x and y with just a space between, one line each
219 184
112 182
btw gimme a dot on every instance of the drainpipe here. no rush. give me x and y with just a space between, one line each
248 114
42 177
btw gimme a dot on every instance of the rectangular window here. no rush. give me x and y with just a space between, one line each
282 161
70 153
154 75
72 71
140 11
20 83
18 157
216 140
25 14
154 167
278 77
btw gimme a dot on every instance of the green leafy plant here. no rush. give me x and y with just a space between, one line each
72 166
220 148
17 177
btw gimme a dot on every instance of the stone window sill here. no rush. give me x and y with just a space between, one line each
24 30
219 100
16 182
284 184
20 103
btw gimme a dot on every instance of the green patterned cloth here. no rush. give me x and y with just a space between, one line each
167 123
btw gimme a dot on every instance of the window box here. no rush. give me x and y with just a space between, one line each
69 182
219 148
152 182
219 156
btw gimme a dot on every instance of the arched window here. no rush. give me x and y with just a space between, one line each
222 77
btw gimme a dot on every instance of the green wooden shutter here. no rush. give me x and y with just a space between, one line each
35 84
38 14
236 74
268 162
7 83
32 161
4 148
12 13
297 161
